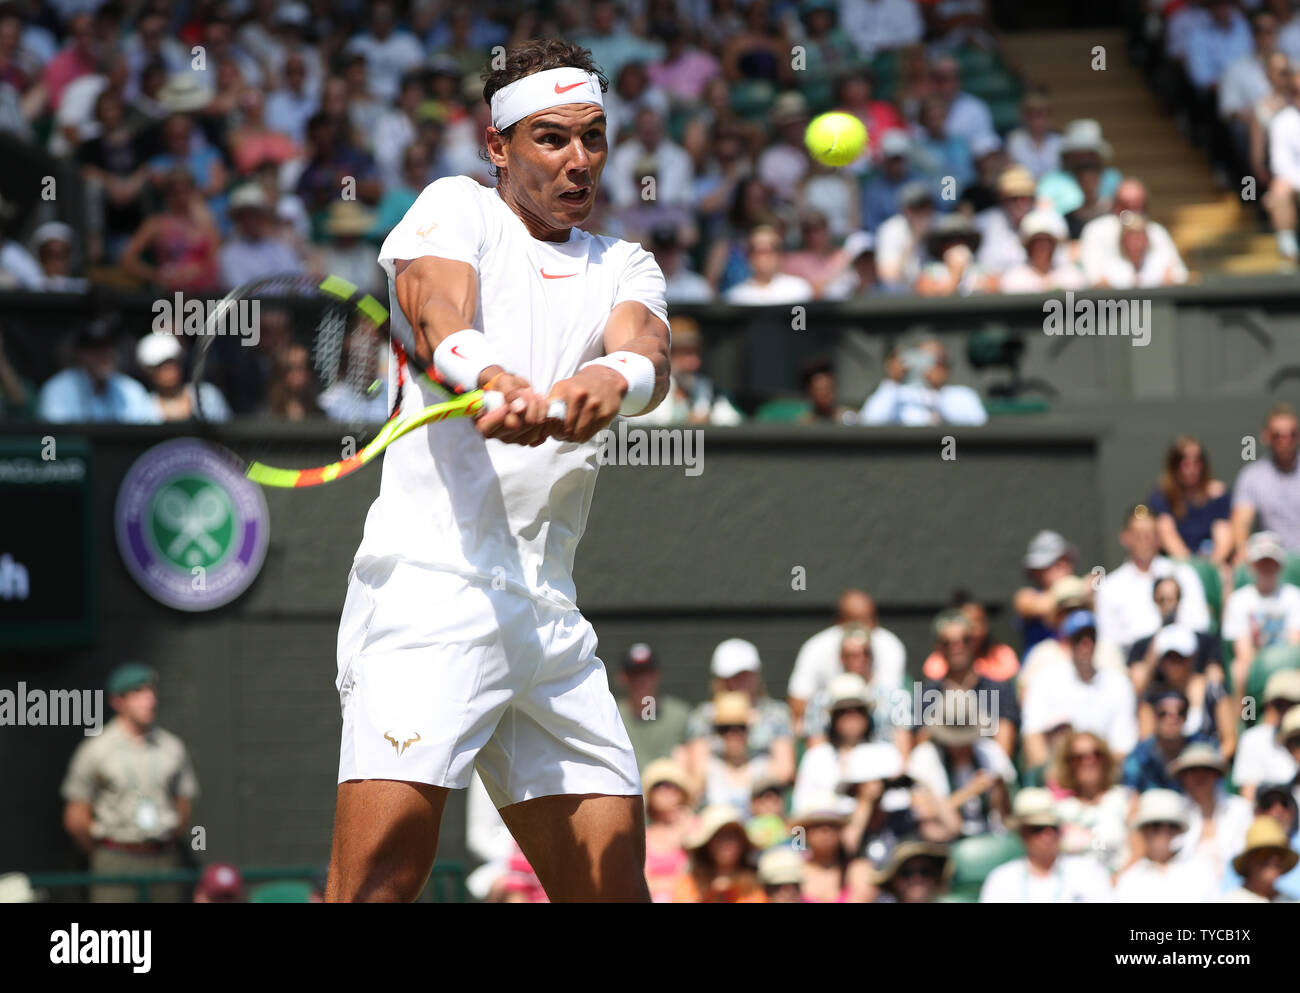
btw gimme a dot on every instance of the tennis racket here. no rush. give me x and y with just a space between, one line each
308 349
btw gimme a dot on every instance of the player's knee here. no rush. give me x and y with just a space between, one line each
376 884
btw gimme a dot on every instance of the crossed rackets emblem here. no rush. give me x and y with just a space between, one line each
193 519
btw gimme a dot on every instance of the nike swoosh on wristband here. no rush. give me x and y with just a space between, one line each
456 353
547 275
566 89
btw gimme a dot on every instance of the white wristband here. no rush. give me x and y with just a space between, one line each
639 372
460 357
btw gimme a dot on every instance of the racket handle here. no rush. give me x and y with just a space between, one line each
493 399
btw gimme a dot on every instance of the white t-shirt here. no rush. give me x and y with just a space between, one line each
1277 615
451 499
1232 818
818 662
1284 145
1104 705
1125 611
1073 879
1260 759
1190 881
783 288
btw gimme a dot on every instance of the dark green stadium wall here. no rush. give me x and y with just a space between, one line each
679 561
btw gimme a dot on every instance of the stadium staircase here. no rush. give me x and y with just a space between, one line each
1213 229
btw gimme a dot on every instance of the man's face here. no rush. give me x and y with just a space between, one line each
857 608
1130 196
1016 208
1266 573
1275 806
1283 437
1199 781
166 377
1042 842
138 706
1081 647
642 683
855 657
685 360
99 360
957 645
821 390
1140 539
1264 869
936 376
554 161
1159 840
764 255
1170 715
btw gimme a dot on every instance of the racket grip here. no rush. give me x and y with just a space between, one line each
493 399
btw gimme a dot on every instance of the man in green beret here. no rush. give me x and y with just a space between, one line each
129 791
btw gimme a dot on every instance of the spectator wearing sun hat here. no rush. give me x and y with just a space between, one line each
1044 875
1082 148
1266 856
1216 821
1158 877
668 818
252 250
918 871
220 883
736 667
1261 755
831 874
729 778
1041 232
849 725
889 805
720 861
656 722
780 871
1279 801
1001 247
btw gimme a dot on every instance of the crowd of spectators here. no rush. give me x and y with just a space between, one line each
216 139
1139 743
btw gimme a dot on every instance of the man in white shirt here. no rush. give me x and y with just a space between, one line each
503 291
1125 609
1261 756
1263 613
389 51
1159 877
925 397
881 25
900 240
1099 239
1100 700
768 284
818 661
1001 246
675 175
1044 875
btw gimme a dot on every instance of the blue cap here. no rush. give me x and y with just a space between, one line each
1076 621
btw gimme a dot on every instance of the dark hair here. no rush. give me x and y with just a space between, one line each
814 367
1170 488
1167 579
533 56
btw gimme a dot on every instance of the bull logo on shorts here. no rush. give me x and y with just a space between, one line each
401 740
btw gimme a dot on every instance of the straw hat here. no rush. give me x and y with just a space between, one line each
1017 181
1266 835
848 689
1034 807
1161 807
1084 135
820 808
712 820
662 771
182 94
780 867
1282 685
731 708
1198 756
956 728
911 849
870 762
1290 726
347 217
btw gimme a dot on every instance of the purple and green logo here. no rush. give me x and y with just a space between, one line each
191 529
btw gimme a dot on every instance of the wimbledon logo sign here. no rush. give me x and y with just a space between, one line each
191 529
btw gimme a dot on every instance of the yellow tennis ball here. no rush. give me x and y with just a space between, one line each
835 139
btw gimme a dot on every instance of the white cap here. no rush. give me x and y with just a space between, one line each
248 195
1264 545
1161 807
1043 221
858 243
895 142
869 763
734 656
155 349
984 144
1175 638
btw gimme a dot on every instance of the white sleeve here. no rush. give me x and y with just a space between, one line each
1236 615
643 281
882 406
445 221
1123 731
805 680
1284 146
1108 613
1291 601
1193 610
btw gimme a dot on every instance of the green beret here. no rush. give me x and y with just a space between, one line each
130 676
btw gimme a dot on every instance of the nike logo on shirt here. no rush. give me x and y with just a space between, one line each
563 275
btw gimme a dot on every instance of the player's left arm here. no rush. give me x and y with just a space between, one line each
596 393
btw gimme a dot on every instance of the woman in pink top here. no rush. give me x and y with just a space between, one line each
182 240
253 144
668 815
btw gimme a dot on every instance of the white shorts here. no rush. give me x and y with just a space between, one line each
439 673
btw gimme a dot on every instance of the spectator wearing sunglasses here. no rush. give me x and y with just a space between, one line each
1158 877
1147 767
1217 822
824 765
956 641
857 656
1094 808
917 872
731 776
1044 875
1211 713
1262 755
992 658
1266 856
1278 801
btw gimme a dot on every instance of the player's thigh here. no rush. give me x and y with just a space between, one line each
583 848
385 840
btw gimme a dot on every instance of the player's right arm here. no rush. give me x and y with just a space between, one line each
439 297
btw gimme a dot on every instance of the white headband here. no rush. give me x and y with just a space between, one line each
542 90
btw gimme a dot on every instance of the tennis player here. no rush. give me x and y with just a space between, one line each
461 645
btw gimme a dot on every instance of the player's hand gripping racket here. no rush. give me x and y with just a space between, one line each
322 350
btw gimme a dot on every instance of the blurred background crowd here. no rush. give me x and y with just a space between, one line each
199 143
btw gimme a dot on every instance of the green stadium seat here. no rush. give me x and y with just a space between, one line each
1209 576
993 86
1006 114
974 858
974 61
282 891
781 411
1267 662
752 98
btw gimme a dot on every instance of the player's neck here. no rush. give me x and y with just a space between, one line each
536 227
